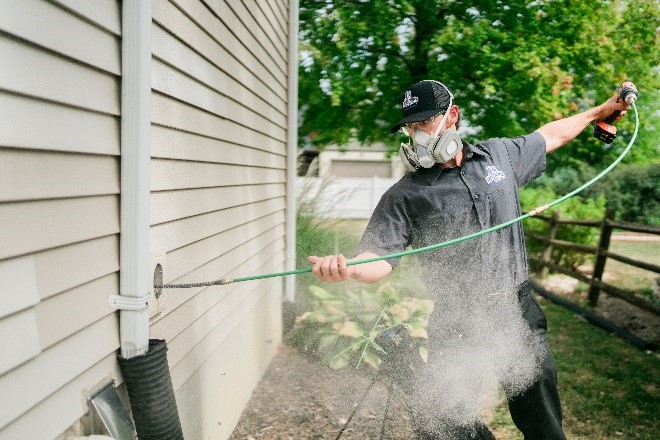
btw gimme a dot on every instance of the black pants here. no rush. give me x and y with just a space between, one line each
536 411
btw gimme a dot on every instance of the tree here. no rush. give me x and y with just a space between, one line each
513 65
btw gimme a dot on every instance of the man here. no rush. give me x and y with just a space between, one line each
485 321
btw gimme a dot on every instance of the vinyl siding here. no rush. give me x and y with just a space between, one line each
218 198
218 182
212 413
59 210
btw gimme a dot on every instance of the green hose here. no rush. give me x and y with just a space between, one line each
438 245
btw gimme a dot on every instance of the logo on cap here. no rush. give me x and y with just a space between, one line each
409 100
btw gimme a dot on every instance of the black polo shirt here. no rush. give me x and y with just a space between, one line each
434 205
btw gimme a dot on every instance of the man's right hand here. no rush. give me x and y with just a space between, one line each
332 268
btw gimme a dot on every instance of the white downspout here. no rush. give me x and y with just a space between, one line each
292 152
134 280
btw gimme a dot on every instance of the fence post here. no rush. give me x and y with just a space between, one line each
546 256
601 258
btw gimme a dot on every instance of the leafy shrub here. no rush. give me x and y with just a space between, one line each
337 322
341 328
633 191
565 179
575 208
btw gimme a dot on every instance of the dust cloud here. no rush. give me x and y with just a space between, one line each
479 342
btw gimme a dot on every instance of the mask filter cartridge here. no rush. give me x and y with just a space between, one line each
446 147
421 141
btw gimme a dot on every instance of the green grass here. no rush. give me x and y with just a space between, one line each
630 277
607 385
608 388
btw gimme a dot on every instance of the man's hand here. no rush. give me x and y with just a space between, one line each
613 104
333 268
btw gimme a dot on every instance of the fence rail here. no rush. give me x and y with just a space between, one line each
601 254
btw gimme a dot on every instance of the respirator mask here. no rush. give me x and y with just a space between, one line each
428 149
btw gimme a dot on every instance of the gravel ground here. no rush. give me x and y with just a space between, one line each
300 399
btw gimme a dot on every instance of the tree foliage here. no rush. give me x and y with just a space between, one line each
512 64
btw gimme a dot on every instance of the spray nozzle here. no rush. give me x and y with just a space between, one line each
630 98
628 92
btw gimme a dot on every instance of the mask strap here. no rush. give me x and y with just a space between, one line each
441 125
451 102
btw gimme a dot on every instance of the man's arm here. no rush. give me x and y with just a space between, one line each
559 133
333 268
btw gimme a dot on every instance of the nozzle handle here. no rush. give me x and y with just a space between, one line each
611 118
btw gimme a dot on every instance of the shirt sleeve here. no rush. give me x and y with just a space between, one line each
527 156
388 230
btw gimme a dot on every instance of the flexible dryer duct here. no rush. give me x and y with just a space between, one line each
150 391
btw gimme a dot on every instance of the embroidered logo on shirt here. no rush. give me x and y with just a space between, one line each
494 175
409 100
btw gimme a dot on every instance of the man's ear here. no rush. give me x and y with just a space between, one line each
453 115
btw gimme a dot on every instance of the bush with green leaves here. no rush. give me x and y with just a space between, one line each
575 208
632 190
341 328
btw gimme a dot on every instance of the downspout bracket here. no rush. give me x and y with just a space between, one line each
122 302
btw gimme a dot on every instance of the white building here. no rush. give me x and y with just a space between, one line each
356 161
350 181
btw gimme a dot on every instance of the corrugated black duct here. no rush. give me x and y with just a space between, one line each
151 394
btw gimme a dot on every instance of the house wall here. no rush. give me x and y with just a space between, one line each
218 182
218 197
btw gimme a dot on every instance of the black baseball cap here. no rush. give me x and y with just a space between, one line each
422 101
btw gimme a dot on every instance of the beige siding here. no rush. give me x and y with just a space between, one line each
250 91
215 391
218 177
66 405
27 227
175 144
218 198
23 389
52 27
175 114
59 209
208 45
31 123
19 285
16 349
172 205
86 175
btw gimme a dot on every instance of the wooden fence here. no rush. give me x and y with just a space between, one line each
601 253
